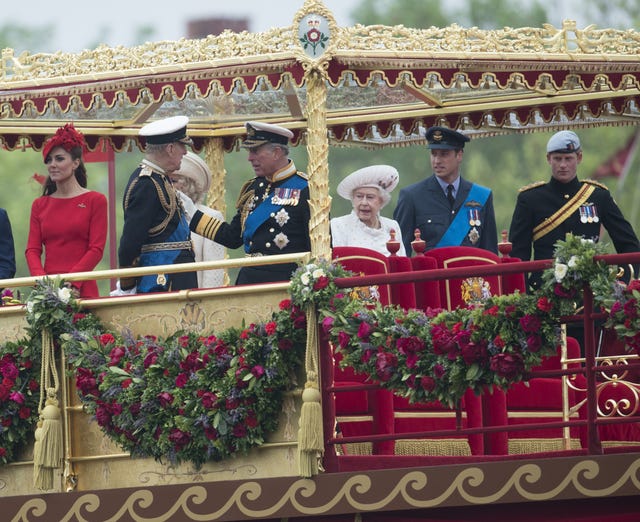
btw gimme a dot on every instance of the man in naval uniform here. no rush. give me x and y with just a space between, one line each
546 211
156 228
272 210
447 209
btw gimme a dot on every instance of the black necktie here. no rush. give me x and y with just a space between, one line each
450 196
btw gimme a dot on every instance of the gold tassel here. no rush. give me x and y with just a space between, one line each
48 447
310 436
51 435
310 443
42 477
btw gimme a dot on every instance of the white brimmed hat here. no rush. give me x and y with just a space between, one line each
259 133
167 130
564 142
196 169
383 177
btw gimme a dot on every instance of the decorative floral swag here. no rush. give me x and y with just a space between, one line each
198 397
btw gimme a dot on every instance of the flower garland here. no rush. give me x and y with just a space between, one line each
574 266
19 393
188 398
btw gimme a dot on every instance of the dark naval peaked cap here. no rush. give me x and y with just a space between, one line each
444 138
259 133
167 130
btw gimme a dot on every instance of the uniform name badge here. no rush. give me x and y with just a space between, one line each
286 196
474 217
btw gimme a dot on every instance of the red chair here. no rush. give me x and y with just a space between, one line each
363 412
545 399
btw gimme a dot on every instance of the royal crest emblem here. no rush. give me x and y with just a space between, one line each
475 290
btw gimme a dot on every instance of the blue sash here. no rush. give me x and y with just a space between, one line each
262 212
151 283
459 227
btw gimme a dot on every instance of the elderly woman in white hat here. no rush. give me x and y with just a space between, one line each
192 180
369 190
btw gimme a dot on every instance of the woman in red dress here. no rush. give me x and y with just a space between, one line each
68 220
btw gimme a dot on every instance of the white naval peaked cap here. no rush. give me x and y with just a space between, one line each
259 133
167 130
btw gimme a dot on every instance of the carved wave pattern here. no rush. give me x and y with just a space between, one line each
343 493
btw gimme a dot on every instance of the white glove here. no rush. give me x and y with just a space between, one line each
119 291
188 205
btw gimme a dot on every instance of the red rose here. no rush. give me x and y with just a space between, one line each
364 331
427 383
327 323
386 364
182 379
106 339
634 284
270 327
474 352
322 282
209 400
534 343
285 304
530 323
544 304
165 399
179 438
343 339
126 383
507 365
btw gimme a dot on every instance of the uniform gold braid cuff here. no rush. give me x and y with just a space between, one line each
208 226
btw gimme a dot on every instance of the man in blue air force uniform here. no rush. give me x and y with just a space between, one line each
447 209
156 228
272 210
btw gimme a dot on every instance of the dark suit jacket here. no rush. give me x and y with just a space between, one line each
7 252
424 205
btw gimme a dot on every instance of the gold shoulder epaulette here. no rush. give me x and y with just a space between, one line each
532 185
245 194
145 170
303 175
596 183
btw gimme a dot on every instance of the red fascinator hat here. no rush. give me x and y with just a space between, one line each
66 137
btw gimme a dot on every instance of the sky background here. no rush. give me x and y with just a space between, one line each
78 24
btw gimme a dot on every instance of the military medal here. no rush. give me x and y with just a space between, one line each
583 214
474 217
474 235
286 196
594 211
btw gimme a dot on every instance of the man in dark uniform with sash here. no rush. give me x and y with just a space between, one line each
156 229
546 211
447 209
272 210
